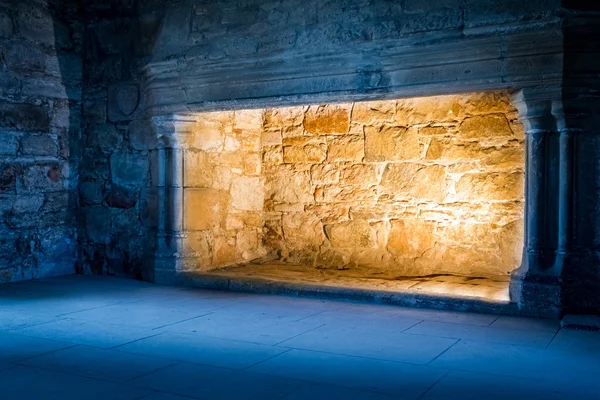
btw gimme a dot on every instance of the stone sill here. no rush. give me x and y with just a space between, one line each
435 293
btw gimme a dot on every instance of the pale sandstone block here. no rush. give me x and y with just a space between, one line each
204 209
247 193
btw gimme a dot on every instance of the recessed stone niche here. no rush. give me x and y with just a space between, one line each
396 188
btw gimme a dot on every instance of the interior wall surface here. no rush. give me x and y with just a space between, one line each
40 117
418 186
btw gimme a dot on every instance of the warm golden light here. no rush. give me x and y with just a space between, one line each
394 188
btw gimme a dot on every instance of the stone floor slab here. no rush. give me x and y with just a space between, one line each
397 379
203 350
90 333
372 342
32 383
472 386
17 347
102 364
536 338
209 383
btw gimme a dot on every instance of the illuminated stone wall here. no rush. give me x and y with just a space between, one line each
409 187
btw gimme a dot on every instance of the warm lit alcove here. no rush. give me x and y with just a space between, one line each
384 193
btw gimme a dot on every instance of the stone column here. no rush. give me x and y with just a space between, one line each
170 256
535 285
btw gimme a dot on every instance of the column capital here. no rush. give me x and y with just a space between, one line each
172 131
535 108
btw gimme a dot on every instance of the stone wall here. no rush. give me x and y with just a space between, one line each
409 187
40 114
115 233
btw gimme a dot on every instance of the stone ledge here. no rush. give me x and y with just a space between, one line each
227 281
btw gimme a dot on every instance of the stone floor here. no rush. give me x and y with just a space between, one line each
107 338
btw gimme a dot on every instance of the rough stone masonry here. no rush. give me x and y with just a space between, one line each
412 187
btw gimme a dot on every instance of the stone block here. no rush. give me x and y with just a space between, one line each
208 133
302 231
335 193
105 137
97 224
272 155
248 120
224 252
288 186
204 209
247 193
362 175
42 176
45 86
247 242
36 24
120 197
141 135
198 169
199 245
410 238
351 234
428 110
331 119
324 173
27 204
284 118
6 26
24 117
486 126
8 177
373 112
129 170
346 148
9 143
391 143
39 145
507 186
415 181
304 150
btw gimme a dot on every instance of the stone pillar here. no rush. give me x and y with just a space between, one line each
560 272
170 255
536 284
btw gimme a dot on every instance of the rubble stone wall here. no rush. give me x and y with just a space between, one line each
409 187
40 114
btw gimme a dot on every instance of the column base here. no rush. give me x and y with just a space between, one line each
535 295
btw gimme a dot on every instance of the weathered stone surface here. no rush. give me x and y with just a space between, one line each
204 209
494 186
198 170
6 26
129 170
120 197
409 238
415 181
331 119
391 143
9 143
346 148
38 145
247 193
485 126
373 112
304 150
25 117
351 234
97 224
